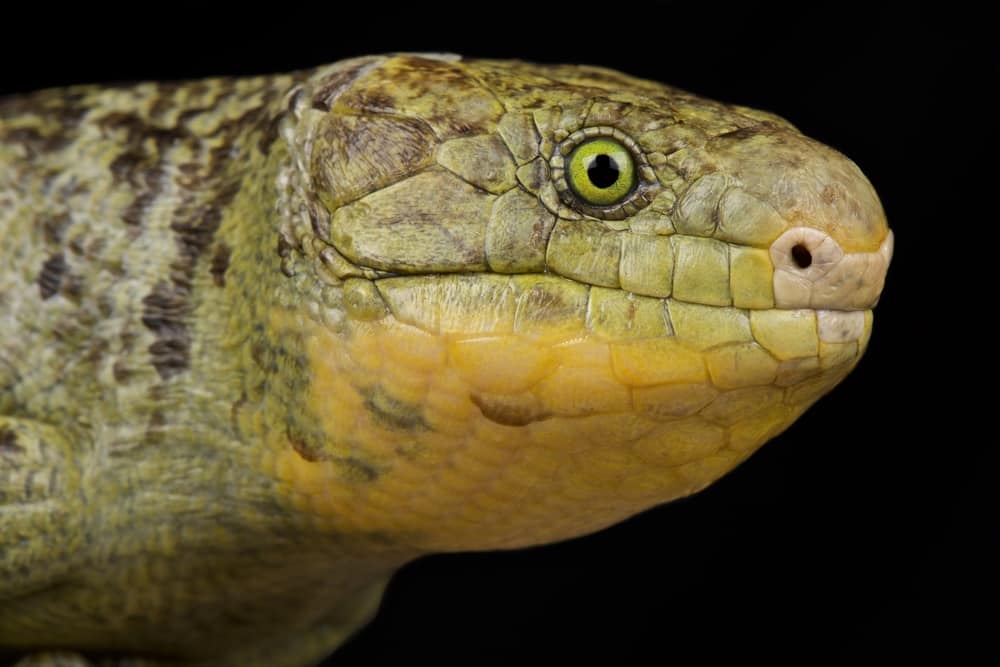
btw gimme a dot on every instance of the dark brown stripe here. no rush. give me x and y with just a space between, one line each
194 232
51 275
164 313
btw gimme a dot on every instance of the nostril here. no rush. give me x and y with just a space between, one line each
801 255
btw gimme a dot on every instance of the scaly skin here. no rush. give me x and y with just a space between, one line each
264 340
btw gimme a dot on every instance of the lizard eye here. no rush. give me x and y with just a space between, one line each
601 172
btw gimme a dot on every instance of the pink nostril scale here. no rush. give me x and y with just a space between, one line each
801 256
811 270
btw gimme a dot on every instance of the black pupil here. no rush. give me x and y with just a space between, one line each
603 171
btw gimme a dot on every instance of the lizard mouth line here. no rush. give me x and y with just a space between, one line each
803 269
542 305
503 327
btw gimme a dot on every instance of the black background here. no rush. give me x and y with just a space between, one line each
866 531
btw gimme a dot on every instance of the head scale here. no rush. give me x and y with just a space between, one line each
563 294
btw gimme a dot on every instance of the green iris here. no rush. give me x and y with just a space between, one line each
601 172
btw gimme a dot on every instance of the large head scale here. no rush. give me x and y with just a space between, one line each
557 295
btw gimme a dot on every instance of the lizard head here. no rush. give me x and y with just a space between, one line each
561 295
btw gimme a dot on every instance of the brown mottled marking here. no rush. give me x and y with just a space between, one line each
220 262
155 426
51 275
121 372
129 163
138 130
94 248
394 412
8 442
29 484
96 351
73 288
135 213
507 414
164 313
357 468
194 230
35 142
105 305
54 226
302 447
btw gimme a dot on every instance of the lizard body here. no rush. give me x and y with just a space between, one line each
264 340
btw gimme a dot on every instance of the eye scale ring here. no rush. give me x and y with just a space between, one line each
601 172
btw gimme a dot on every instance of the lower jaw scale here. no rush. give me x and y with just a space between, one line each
547 346
458 390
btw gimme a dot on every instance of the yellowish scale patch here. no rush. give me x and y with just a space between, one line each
513 430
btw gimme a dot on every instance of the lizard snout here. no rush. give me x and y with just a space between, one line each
811 270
